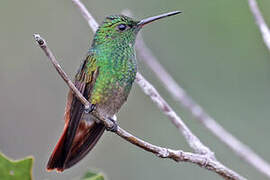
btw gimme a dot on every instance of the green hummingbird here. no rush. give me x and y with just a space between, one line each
105 78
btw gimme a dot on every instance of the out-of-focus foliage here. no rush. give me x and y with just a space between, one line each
92 176
15 170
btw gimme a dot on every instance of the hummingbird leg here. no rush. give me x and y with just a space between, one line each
114 127
90 108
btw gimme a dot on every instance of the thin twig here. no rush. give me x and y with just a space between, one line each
180 95
260 22
199 113
43 45
253 158
177 155
90 19
192 140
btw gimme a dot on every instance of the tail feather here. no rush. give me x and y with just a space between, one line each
63 147
82 145
89 141
56 160
80 133
79 136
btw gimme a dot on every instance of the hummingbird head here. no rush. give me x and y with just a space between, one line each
122 30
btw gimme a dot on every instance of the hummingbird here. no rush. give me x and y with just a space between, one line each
105 78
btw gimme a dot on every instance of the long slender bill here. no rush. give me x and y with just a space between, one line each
154 18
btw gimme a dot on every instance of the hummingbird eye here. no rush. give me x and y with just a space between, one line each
121 27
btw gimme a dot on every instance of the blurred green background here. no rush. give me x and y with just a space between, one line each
214 50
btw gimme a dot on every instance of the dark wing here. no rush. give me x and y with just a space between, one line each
80 134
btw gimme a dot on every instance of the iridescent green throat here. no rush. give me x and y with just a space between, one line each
114 52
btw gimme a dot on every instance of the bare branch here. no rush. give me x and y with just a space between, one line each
180 156
260 22
89 18
197 111
192 140
48 52
177 155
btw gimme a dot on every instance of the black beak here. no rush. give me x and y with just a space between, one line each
154 18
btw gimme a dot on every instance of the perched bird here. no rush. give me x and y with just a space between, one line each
105 78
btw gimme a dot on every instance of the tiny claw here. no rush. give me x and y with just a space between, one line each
89 109
114 127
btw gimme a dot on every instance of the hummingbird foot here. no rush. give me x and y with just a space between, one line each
89 109
114 126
